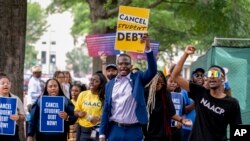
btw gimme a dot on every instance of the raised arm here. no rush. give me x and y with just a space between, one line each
152 66
183 83
103 58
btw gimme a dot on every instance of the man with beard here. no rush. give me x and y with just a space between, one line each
214 109
110 71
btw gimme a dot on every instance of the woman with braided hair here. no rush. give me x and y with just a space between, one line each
160 110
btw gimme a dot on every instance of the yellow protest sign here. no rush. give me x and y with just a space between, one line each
131 25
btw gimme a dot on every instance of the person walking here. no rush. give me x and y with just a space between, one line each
76 88
67 83
5 86
52 88
89 107
214 109
35 86
124 107
160 110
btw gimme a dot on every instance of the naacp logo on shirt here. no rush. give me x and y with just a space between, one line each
215 109
239 133
93 104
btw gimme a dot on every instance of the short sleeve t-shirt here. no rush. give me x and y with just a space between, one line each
212 115
90 104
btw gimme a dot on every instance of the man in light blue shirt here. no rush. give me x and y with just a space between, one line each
124 107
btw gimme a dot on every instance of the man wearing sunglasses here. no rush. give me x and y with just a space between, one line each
214 109
198 76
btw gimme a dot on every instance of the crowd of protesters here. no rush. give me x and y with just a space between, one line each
126 104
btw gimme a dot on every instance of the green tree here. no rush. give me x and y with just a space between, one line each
177 22
78 62
101 14
36 25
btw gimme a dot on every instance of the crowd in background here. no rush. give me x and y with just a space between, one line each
127 104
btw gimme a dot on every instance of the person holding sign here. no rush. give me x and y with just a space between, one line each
7 110
52 89
89 107
160 110
178 101
214 109
124 107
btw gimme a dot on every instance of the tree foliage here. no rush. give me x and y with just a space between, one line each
177 22
36 25
78 62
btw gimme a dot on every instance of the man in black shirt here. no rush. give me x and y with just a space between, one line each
214 109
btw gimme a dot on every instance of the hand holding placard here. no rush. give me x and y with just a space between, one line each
63 115
145 39
187 122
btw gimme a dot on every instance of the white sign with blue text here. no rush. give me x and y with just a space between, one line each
50 121
8 107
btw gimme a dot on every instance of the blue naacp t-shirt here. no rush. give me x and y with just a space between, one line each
177 100
8 107
50 106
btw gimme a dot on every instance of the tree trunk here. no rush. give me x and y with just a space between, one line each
12 45
97 11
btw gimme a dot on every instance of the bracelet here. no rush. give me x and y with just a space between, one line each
104 63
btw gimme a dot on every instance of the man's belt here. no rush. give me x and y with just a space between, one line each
125 124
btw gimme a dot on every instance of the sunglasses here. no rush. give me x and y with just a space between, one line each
198 75
214 73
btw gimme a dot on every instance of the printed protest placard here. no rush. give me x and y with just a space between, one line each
101 43
142 56
50 106
131 25
8 107
178 104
